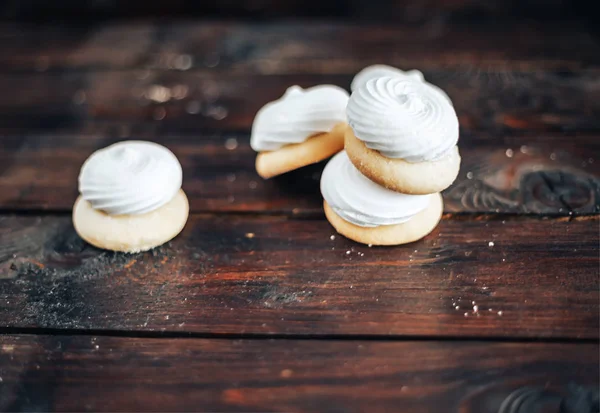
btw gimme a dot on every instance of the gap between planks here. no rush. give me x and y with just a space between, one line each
299 337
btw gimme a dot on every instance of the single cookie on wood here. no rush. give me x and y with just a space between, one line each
403 134
131 233
131 197
303 127
366 212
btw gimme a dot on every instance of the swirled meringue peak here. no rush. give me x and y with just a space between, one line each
362 202
130 178
403 118
297 115
375 71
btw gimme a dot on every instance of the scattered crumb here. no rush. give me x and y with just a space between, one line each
253 184
370 245
250 235
491 243
286 373
524 149
348 252
500 313
466 314
509 153
231 144
332 237
475 308
472 302
457 308
469 175
553 156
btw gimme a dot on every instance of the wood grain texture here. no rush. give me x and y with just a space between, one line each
540 102
85 373
270 275
525 173
283 47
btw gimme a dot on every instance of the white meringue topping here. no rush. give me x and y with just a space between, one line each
362 202
130 177
403 118
375 71
297 115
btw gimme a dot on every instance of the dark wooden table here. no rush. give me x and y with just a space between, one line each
256 306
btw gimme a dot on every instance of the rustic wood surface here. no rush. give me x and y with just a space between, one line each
254 307
89 373
497 47
273 275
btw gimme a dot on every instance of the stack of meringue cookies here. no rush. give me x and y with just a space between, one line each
396 136
393 143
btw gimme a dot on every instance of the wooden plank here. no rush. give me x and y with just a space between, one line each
531 173
271 275
541 101
86 373
301 47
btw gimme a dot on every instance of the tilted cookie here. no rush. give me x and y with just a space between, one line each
403 135
365 212
303 127
131 198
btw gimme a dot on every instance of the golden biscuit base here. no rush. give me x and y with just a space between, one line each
399 175
131 233
412 230
314 149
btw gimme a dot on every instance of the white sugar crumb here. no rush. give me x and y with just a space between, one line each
524 149
231 144
348 252
491 244
500 313
457 308
509 153
469 175
472 302
490 310
553 156
466 314
370 245
475 308
332 237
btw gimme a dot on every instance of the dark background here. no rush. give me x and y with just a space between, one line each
74 11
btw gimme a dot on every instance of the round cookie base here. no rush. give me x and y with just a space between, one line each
399 175
294 156
416 228
131 233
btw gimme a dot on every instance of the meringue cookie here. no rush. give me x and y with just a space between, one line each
403 118
376 71
362 202
297 115
130 178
